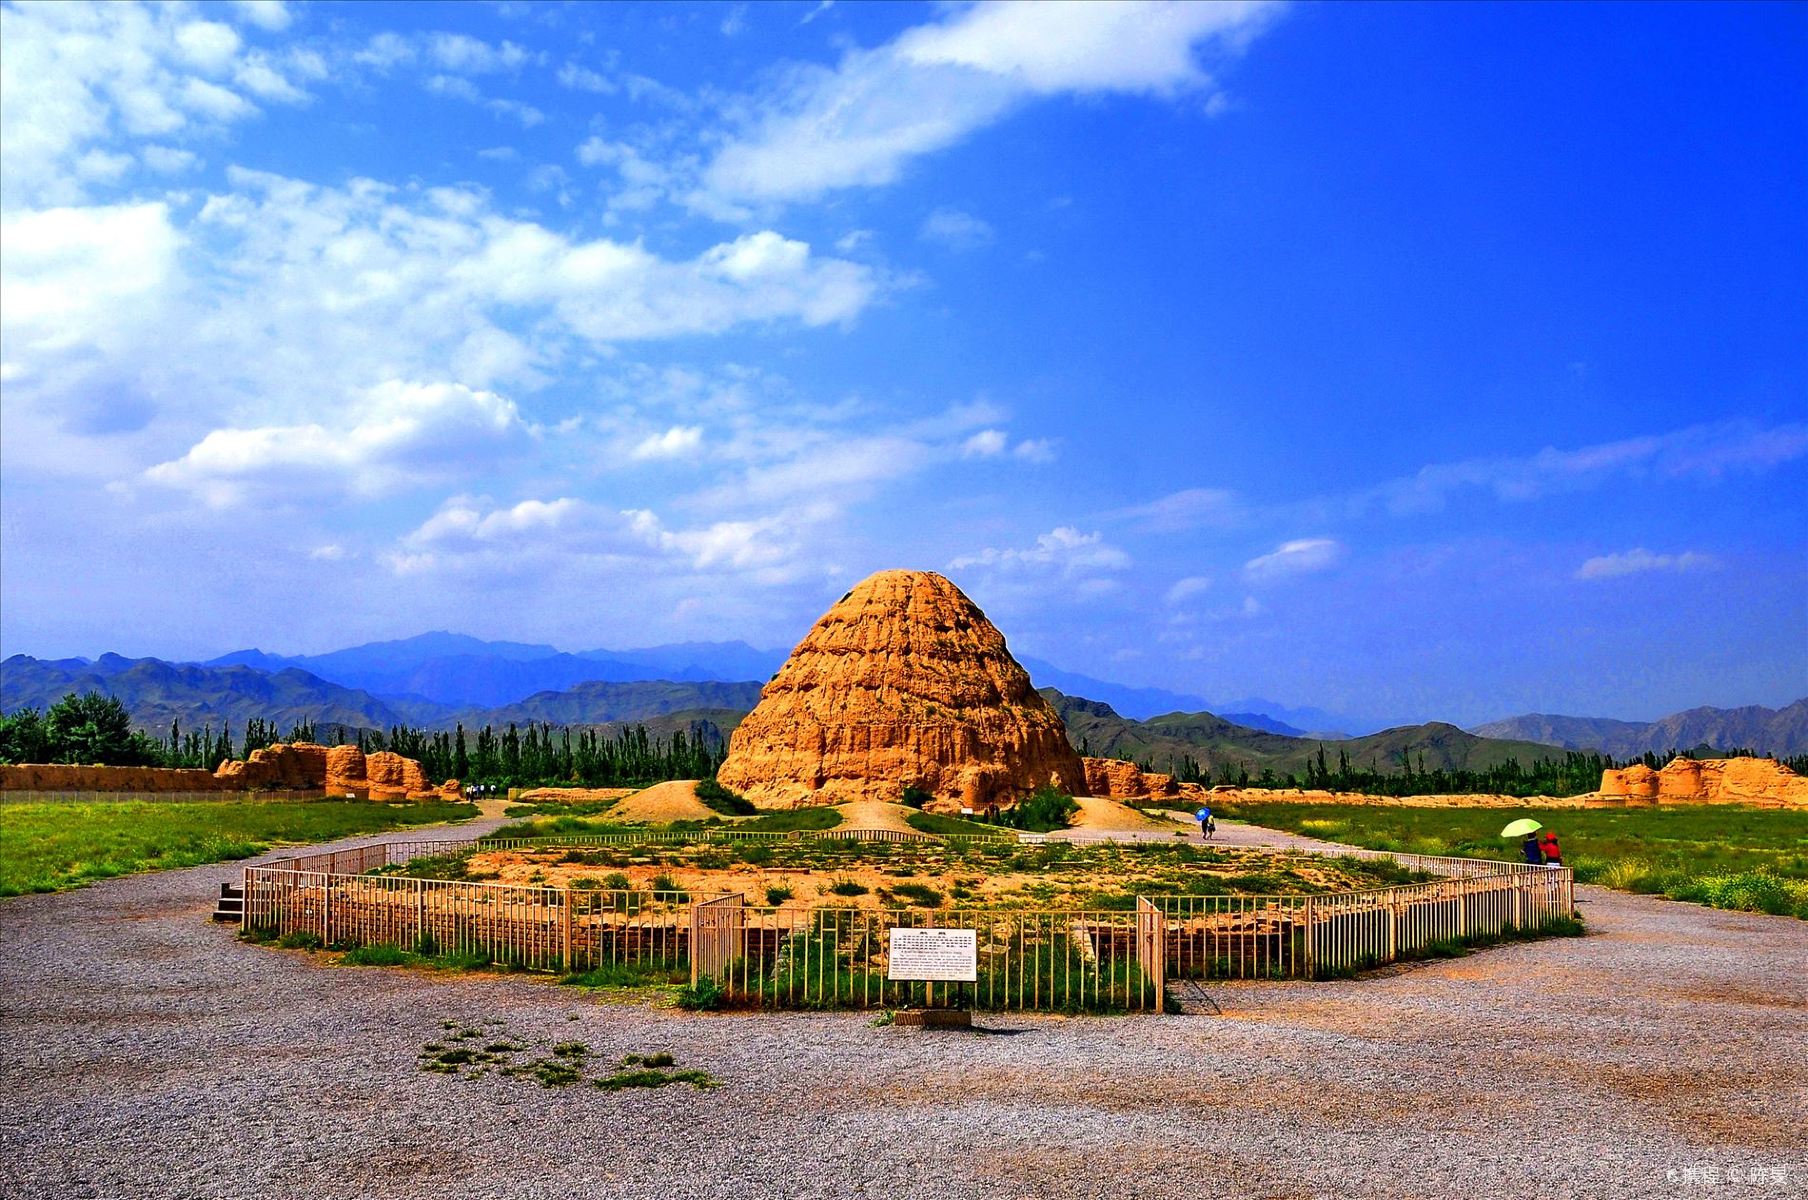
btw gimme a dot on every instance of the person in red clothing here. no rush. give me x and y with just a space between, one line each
1553 853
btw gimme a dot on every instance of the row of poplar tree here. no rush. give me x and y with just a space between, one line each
93 728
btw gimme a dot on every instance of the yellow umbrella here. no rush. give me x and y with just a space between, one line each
1521 827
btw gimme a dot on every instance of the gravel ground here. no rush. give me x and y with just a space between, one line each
147 1053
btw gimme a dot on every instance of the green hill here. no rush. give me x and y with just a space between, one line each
1165 743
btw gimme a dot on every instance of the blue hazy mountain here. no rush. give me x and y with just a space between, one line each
1141 703
453 669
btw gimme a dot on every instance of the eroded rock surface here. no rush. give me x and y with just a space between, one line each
1757 781
904 682
1115 779
289 767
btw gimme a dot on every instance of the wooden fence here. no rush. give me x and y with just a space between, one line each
1114 960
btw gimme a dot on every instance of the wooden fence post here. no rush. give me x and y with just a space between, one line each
1310 911
565 896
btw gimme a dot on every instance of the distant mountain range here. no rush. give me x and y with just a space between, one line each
1163 742
157 693
450 668
1775 731
1141 703
437 680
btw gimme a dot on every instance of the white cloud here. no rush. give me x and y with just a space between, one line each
208 45
1642 561
583 79
406 434
1187 509
1299 557
1036 450
1185 589
1119 47
955 230
472 56
526 114
1064 548
167 160
330 552
1702 452
861 122
759 545
272 15
79 276
677 442
212 100
260 77
77 76
985 444
467 519
472 533
642 181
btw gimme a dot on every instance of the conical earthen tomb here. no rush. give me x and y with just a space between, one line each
903 683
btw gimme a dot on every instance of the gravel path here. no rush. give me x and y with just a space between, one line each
150 1054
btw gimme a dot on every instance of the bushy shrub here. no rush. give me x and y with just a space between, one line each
1043 812
720 799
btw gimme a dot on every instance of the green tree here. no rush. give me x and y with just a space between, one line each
93 728
22 737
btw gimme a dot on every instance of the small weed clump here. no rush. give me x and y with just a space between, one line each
376 956
628 975
462 1051
847 887
920 894
778 893
300 940
706 995
653 1071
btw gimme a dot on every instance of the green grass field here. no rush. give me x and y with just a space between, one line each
50 847
1753 859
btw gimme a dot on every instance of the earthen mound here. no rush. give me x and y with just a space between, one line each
1762 782
903 683
664 803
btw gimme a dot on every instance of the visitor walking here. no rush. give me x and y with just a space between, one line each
1534 854
1207 826
1553 853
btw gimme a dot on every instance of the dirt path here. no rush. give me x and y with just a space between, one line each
150 1054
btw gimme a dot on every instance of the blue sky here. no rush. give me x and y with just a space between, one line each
1405 360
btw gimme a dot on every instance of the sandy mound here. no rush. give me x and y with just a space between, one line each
664 803
875 814
570 795
1108 816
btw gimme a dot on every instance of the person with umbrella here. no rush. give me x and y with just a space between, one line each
1553 853
1534 853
